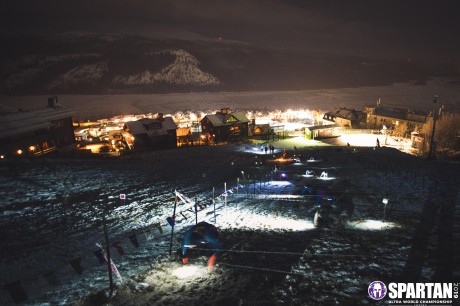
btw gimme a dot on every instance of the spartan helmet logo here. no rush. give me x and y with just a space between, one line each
377 290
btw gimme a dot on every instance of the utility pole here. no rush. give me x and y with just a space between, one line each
432 142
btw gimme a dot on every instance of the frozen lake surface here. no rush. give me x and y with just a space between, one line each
404 95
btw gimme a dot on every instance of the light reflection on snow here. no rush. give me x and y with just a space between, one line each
189 272
257 221
372 225
280 183
326 178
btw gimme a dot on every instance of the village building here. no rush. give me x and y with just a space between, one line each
225 126
158 133
347 118
322 131
397 121
184 137
37 132
259 131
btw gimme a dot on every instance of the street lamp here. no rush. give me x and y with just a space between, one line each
385 202
432 142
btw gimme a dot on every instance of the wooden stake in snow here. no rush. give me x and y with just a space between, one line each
173 223
214 204
225 196
107 248
237 184
196 212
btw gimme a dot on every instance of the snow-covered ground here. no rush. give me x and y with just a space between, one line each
52 213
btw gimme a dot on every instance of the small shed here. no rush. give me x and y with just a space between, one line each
417 141
261 131
322 131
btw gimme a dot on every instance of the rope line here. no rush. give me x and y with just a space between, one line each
261 269
288 253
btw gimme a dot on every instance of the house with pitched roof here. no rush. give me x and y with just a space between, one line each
225 126
36 132
347 118
158 133
402 122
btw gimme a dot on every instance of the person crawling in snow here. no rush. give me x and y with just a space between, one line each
203 237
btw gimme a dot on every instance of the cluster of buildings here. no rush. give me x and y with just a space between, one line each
51 129
398 122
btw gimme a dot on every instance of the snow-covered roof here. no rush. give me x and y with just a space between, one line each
350 114
151 127
400 113
322 127
26 121
222 119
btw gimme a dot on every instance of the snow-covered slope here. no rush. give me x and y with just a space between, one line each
90 73
183 71
52 214
147 65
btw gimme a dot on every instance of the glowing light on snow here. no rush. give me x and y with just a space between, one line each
257 221
283 160
326 178
190 272
361 140
280 183
372 225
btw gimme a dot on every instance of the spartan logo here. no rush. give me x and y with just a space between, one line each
377 290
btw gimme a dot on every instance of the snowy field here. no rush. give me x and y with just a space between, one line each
52 210
405 95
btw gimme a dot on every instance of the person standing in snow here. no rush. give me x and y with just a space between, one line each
202 236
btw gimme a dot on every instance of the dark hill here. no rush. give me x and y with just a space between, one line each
101 64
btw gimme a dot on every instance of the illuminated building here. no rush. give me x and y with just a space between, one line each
37 132
348 118
322 131
158 133
225 126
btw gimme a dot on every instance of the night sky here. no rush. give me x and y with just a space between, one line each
416 30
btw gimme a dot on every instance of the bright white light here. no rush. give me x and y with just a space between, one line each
371 225
280 183
326 178
257 221
190 272
362 140
385 201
